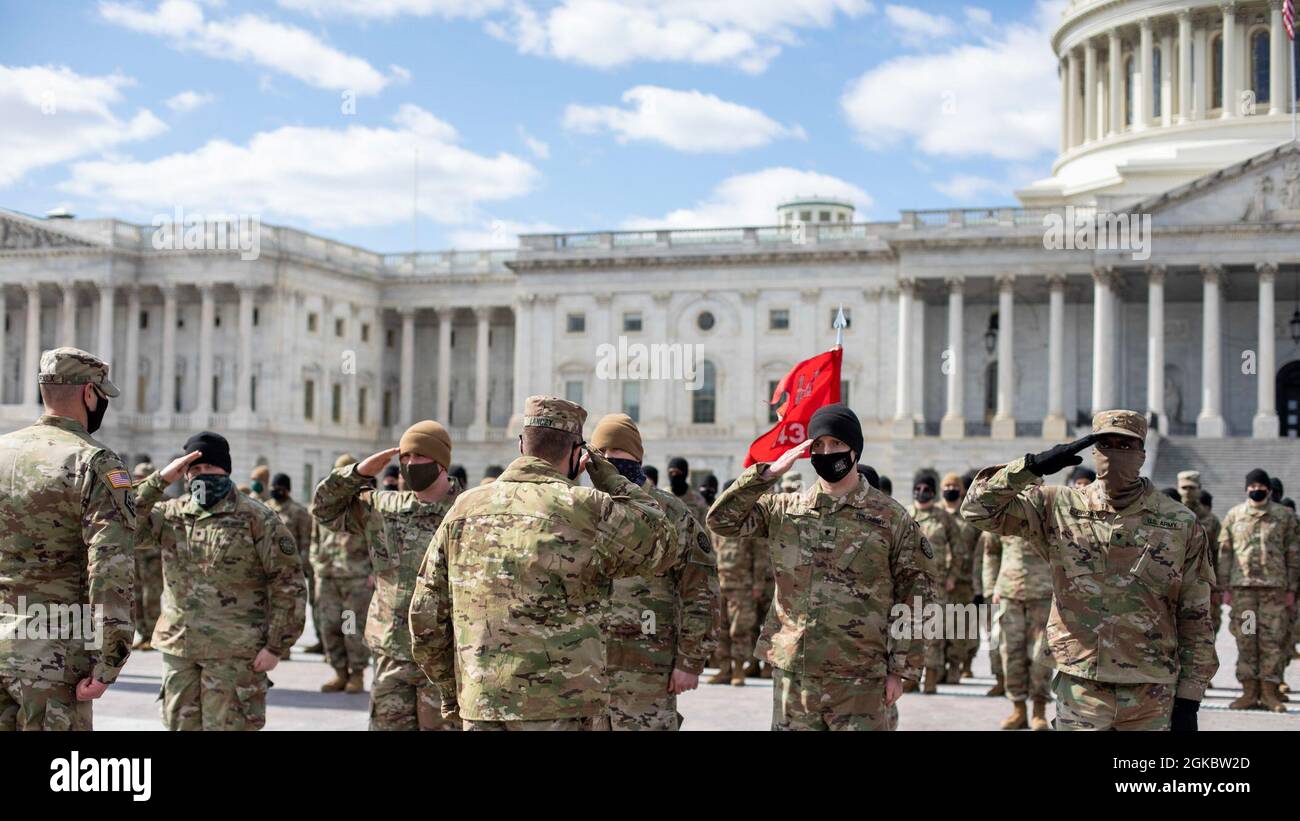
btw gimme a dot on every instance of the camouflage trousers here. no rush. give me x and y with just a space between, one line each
641 701
311 600
942 651
824 703
38 704
403 698
964 649
147 606
1216 615
583 724
995 644
1024 648
1261 625
342 603
1083 704
739 617
212 694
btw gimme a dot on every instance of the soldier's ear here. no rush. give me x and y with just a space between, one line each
521 444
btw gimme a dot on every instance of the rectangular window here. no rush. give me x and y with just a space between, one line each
257 316
361 405
336 403
388 408
144 320
309 399
632 400
252 393
771 409
216 392
778 319
390 338
844 391
632 322
339 327
575 324
307 479
365 331
573 391
311 323
176 402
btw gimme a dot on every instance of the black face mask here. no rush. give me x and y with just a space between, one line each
923 494
629 469
209 488
95 418
420 476
833 466
951 495
678 483
279 494
1258 495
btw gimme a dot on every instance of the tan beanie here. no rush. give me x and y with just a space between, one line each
427 438
261 473
617 431
344 460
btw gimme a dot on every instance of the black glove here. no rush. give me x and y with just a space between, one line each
1059 457
978 600
1184 718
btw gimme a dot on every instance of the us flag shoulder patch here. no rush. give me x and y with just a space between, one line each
119 479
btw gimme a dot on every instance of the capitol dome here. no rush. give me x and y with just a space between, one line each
1158 93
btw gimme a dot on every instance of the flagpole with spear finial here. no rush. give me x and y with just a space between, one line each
839 325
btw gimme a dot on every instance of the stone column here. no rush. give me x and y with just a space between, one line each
1145 83
1210 424
904 425
167 355
130 385
1066 108
1156 344
407 406
1054 424
1004 419
1265 425
68 317
1103 340
1201 102
747 422
523 360
1229 81
662 389
1115 86
32 345
4 316
953 424
104 325
1091 131
1279 60
1166 77
1185 106
244 378
445 314
482 376
207 318
1074 131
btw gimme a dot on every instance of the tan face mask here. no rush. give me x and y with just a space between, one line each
1118 471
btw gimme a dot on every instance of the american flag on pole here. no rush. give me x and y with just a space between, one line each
1288 17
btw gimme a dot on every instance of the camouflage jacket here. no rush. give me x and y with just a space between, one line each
67 544
951 560
693 500
1014 570
337 554
398 527
232 583
298 521
969 572
658 623
841 565
1131 589
1259 547
742 563
511 605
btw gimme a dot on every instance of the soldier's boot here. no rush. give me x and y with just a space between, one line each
1039 719
966 672
145 646
316 649
356 682
723 675
1268 697
753 669
738 675
1249 698
932 676
766 672
999 689
909 685
138 644
1284 688
1017 720
336 684
954 674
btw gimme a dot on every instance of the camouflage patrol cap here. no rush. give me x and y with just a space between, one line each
554 412
73 366
1189 478
1123 422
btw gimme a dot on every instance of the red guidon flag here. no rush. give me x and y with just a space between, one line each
808 386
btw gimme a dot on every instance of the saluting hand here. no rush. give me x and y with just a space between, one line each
376 462
1059 457
177 466
786 460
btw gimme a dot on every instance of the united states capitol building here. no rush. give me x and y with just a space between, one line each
1157 268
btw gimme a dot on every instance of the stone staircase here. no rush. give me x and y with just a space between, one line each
1224 463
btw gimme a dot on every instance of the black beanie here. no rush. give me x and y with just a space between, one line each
1276 484
838 421
651 472
925 477
281 480
869 473
886 485
391 472
1258 475
678 463
455 470
213 446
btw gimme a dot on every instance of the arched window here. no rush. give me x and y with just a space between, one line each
1216 72
1130 67
1156 87
1259 65
704 402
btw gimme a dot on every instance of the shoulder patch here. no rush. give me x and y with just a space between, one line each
119 479
926 549
703 541
287 546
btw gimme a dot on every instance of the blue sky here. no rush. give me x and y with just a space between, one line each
526 115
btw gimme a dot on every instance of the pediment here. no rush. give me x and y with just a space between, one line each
22 233
1263 189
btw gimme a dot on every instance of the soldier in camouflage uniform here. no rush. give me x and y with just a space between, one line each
968 589
662 628
943 656
742 577
844 557
148 574
512 602
398 526
233 594
679 472
296 518
1020 583
1259 565
66 543
340 562
259 482
1131 573
1189 492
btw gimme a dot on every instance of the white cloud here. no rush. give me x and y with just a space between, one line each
252 39
54 114
539 149
916 27
968 188
358 176
389 9
498 234
751 199
188 100
685 120
997 98
746 34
